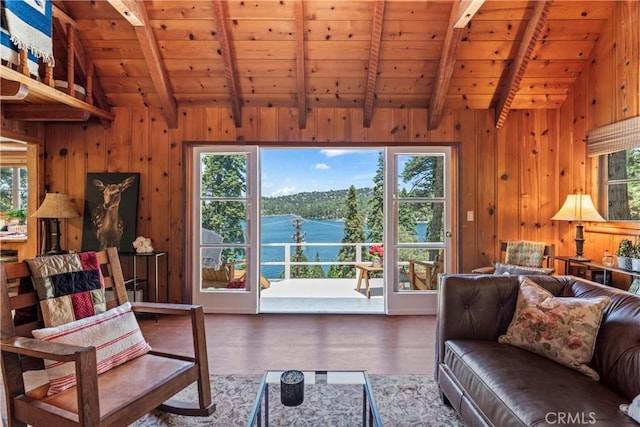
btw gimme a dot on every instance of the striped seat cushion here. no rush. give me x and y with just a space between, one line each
115 334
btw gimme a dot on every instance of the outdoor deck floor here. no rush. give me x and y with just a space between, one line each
322 296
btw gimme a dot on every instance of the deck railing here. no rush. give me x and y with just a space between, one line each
289 249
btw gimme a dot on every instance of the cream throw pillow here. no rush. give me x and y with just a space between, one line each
563 329
115 334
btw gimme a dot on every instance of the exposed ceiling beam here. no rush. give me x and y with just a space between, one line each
445 69
44 113
466 10
374 59
532 33
228 61
300 77
130 11
135 12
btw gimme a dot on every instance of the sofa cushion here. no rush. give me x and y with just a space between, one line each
513 387
561 328
502 268
115 334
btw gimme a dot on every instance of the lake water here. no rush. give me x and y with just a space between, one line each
281 229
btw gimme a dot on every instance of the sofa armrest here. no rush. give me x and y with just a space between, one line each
471 306
484 270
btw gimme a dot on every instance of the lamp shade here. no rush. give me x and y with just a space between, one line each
578 207
55 205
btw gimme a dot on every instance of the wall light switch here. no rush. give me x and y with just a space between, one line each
469 215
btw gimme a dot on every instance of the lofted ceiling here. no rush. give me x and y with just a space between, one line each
328 53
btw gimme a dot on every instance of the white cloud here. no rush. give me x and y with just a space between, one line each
336 153
322 166
284 191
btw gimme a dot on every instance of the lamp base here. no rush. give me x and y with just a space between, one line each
57 252
580 258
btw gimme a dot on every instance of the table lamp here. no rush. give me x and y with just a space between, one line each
55 206
578 207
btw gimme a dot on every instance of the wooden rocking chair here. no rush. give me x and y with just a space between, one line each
423 275
116 397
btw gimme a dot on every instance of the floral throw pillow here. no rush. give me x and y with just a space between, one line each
563 329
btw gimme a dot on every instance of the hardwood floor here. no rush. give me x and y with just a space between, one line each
251 344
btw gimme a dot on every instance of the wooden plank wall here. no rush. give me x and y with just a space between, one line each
513 179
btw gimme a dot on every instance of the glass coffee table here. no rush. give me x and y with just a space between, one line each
331 398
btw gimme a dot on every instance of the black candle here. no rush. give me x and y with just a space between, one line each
292 388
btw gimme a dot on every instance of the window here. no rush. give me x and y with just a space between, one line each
13 188
623 185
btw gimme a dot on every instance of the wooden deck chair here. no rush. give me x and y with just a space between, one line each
424 274
546 266
116 397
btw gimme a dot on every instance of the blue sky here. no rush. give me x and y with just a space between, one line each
290 171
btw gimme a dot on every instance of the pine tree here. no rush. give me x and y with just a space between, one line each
353 232
299 271
375 219
316 271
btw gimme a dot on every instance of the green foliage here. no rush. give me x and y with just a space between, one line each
353 232
626 248
224 176
313 205
19 214
375 218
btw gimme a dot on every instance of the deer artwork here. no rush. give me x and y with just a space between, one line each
107 222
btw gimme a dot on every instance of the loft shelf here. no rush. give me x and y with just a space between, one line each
42 102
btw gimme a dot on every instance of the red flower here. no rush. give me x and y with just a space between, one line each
377 250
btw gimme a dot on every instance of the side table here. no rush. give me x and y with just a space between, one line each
151 273
590 266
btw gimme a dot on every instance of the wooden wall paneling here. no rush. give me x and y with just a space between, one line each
35 176
309 134
119 143
287 128
485 209
250 124
465 132
268 124
357 132
325 118
418 132
141 155
168 208
177 200
530 166
400 132
602 77
212 124
381 125
56 179
508 179
76 173
564 178
627 47
193 123
549 137
228 130
22 131
446 131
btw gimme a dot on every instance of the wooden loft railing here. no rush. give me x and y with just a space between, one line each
26 99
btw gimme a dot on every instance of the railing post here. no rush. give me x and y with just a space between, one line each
287 261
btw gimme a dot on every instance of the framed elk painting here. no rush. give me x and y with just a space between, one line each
110 211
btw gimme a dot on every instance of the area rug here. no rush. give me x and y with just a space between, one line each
402 400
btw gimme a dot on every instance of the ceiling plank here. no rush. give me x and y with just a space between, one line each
532 33
228 61
445 70
374 60
300 75
135 12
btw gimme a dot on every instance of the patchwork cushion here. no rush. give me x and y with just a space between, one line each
530 254
115 334
69 286
563 329
502 268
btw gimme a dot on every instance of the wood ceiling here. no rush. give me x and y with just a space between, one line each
328 53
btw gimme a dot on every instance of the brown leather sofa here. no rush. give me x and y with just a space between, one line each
493 384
